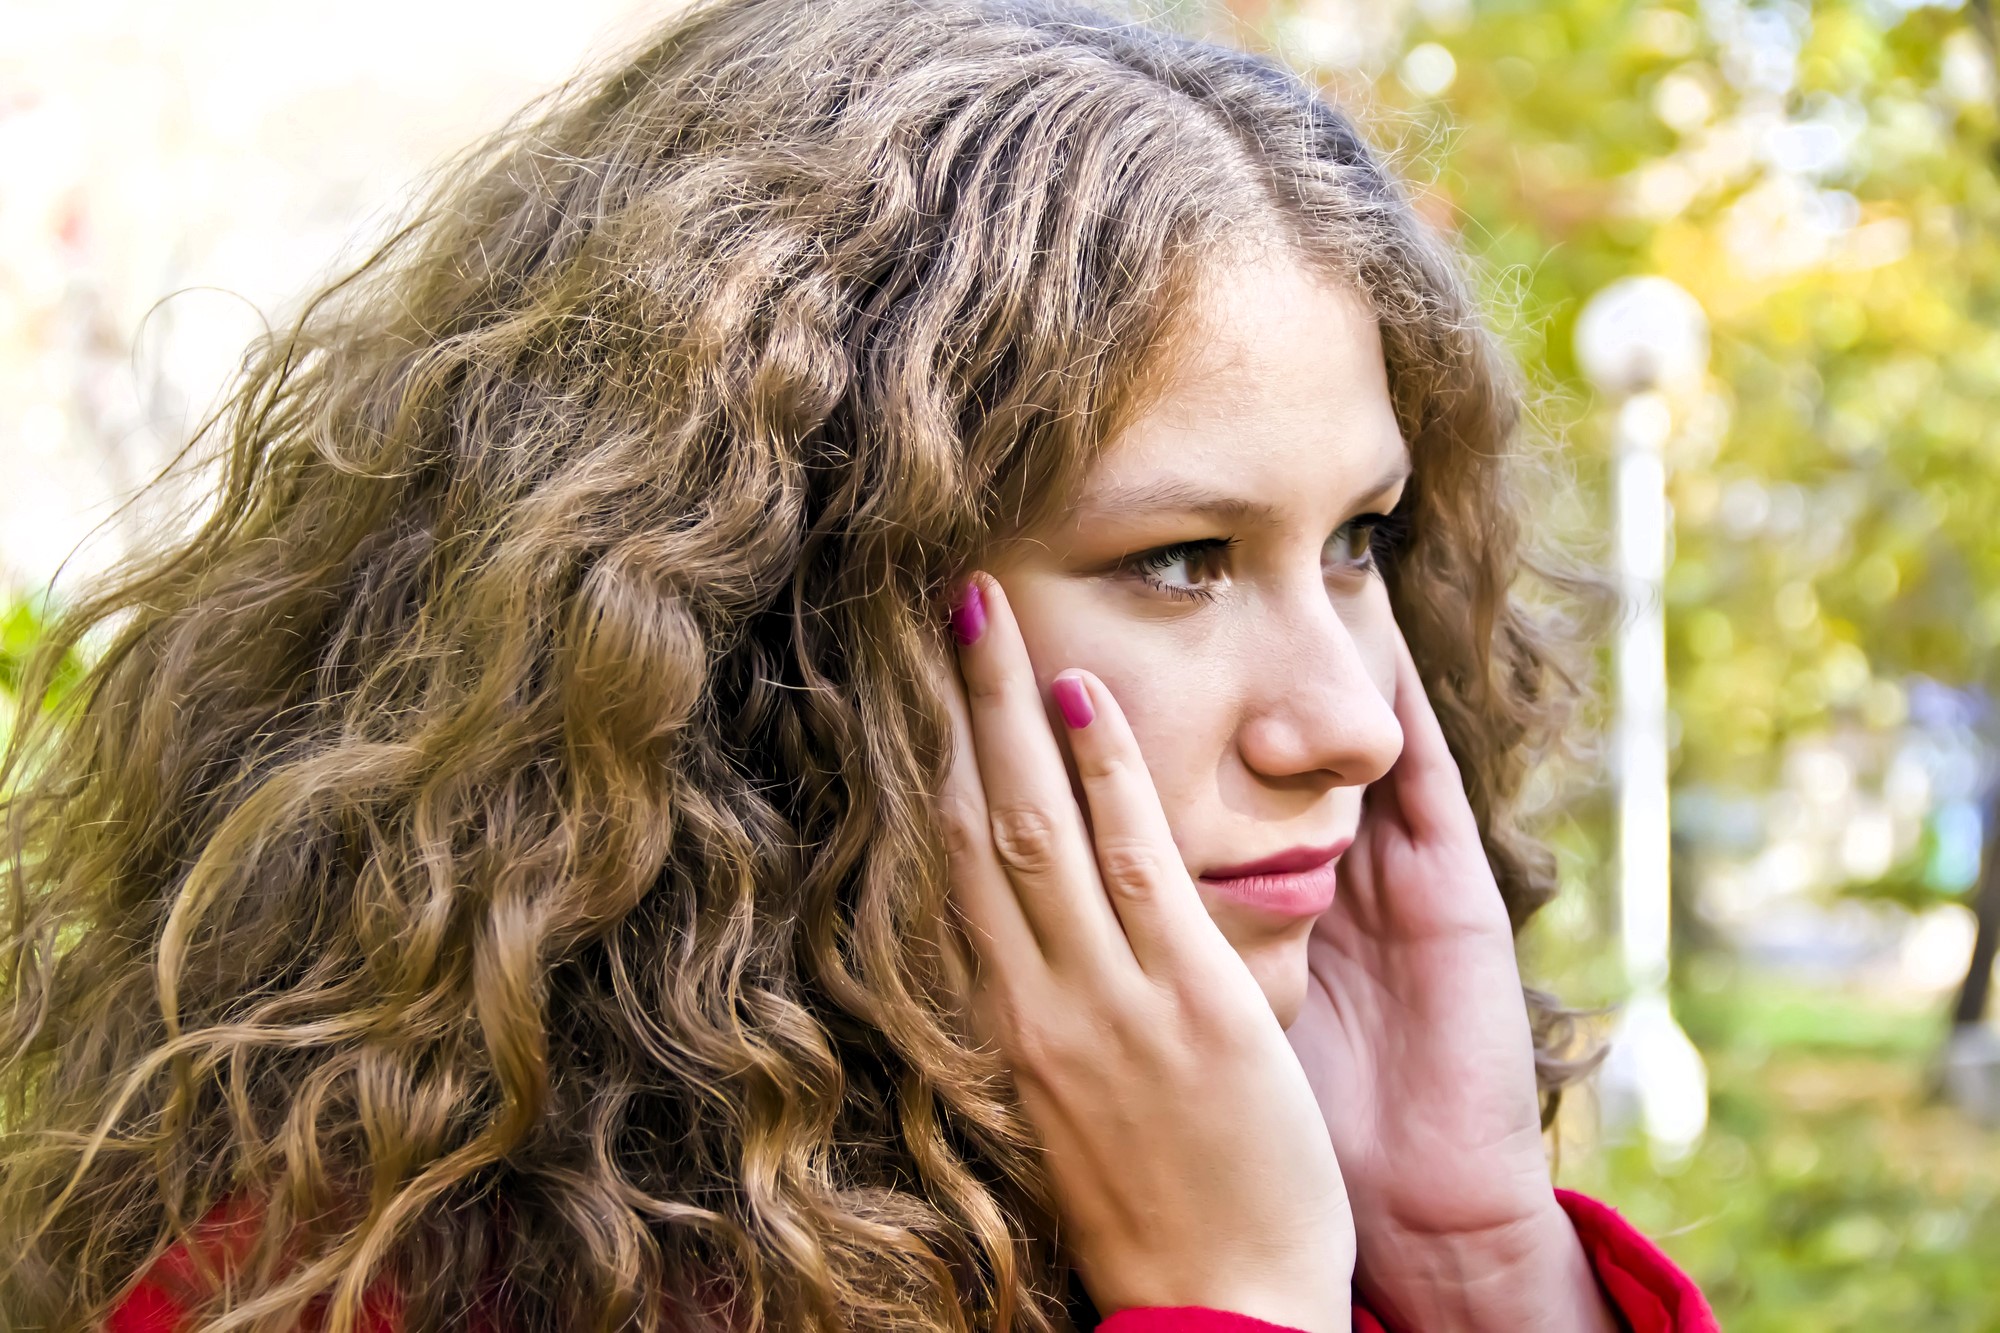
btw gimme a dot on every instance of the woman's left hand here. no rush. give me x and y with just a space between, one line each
1415 1037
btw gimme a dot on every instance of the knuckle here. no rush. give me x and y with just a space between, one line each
957 820
1034 1051
987 687
1077 1037
1222 1032
1204 1025
1101 766
1131 870
1025 838
1040 1048
1002 1011
1135 1019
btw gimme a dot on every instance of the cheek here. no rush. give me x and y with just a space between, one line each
1171 697
1174 709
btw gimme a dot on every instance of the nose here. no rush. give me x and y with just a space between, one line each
1316 710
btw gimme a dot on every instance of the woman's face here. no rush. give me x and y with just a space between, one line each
1214 573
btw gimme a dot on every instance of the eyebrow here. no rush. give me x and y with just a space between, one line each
1185 497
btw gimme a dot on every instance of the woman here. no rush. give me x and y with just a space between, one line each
537 859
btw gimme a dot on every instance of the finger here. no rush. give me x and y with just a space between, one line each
1425 783
981 893
1036 828
1140 867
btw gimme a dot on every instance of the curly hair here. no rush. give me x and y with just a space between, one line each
500 838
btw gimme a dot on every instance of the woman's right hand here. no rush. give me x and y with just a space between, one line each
1186 1149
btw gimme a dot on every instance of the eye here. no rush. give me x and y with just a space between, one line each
1202 555
1351 548
1362 543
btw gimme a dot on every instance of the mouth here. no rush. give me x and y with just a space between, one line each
1299 881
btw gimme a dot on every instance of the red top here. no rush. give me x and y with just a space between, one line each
1641 1283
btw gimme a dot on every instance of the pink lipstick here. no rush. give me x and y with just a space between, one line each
1298 881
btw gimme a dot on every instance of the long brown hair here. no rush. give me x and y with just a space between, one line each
500 839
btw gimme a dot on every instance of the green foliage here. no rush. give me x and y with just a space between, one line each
22 620
1834 494
20 627
1830 1193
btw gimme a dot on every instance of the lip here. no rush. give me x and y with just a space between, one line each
1300 881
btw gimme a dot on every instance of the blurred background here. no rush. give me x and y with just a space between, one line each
1750 256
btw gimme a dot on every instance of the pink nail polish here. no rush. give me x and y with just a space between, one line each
968 618
1074 701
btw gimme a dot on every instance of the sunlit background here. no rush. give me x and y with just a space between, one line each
1787 437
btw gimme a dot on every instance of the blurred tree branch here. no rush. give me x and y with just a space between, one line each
1970 1007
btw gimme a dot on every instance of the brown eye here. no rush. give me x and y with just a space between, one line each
1352 546
1161 568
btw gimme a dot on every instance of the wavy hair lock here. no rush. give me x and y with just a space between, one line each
499 839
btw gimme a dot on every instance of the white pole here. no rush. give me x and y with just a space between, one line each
1636 338
1644 824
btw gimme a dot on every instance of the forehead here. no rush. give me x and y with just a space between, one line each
1278 394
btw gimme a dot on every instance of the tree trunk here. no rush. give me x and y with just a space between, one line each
1970 1010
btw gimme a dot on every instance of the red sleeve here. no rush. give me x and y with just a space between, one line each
151 1307
146 1309
1187 1319
1641 1283
161 1300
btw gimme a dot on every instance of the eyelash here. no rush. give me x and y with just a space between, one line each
1385 534
1388 533
1148 564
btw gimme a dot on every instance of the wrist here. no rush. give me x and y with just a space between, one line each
1310 1290
1316 1299
1527 1273
1276 1310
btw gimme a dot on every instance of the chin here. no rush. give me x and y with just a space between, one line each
1280 969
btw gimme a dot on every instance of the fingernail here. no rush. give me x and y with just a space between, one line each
968 617
1074 702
